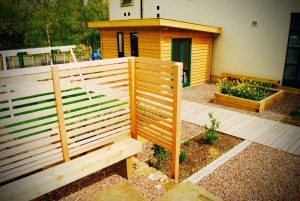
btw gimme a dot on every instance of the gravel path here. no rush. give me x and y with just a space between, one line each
257 173
204 94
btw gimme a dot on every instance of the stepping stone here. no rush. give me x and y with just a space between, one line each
119 192
188 192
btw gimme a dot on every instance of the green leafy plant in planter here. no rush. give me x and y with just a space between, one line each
211 135
159 156
244 88
182 157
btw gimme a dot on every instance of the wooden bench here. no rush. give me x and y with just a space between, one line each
50 179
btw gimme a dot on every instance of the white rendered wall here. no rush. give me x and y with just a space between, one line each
242 49
116 12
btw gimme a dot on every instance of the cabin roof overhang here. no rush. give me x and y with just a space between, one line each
155 22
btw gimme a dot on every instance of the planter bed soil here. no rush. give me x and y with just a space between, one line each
200 154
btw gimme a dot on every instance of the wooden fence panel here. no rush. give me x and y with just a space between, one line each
157 92
49 115
95 101
29 134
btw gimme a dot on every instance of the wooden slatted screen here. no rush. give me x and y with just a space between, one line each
157 92
29 134
49 115
95 102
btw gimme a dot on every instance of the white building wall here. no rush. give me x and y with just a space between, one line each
116 12
242 49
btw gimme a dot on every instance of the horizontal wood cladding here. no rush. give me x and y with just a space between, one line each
157 43
148 42
201 52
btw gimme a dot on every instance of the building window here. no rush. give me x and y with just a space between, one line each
124 14
126 3
157 7
134 44
158 15
120 42
128 13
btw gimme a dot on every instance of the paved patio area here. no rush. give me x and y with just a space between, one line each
273 134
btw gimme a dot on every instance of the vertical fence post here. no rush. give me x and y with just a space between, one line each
60 113
132 94
176 120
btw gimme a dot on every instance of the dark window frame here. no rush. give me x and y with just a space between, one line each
131 34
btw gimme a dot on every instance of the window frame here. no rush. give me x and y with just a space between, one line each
118 41
125 4
132 33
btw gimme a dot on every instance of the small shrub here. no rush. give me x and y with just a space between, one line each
187 143
182 157
211 135
295 113
160 154
243 88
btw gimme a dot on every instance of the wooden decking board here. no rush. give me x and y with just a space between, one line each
294 147
260 131
287 139
263 131
241 131
287 144
297 152
256 126
282 136
235 125
272 134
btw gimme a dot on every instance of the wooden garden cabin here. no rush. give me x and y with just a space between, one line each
161 39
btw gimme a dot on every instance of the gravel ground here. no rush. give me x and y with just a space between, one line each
257 173
279 112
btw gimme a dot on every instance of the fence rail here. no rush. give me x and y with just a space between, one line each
49 115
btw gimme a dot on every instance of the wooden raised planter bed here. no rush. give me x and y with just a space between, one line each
250 105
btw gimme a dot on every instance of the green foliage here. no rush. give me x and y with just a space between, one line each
211 135
182 157
83 51
243 88
160 154
39 23
187 143
13 23
295 113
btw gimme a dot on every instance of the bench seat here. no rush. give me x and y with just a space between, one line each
55 177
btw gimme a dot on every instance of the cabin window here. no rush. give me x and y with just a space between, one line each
120 42
134 44
126 3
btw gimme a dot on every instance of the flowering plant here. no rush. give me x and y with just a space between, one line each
243 88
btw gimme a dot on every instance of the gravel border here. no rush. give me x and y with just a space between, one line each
257 173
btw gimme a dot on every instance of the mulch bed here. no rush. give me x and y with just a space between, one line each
200 154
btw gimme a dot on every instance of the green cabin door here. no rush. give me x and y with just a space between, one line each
181 52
